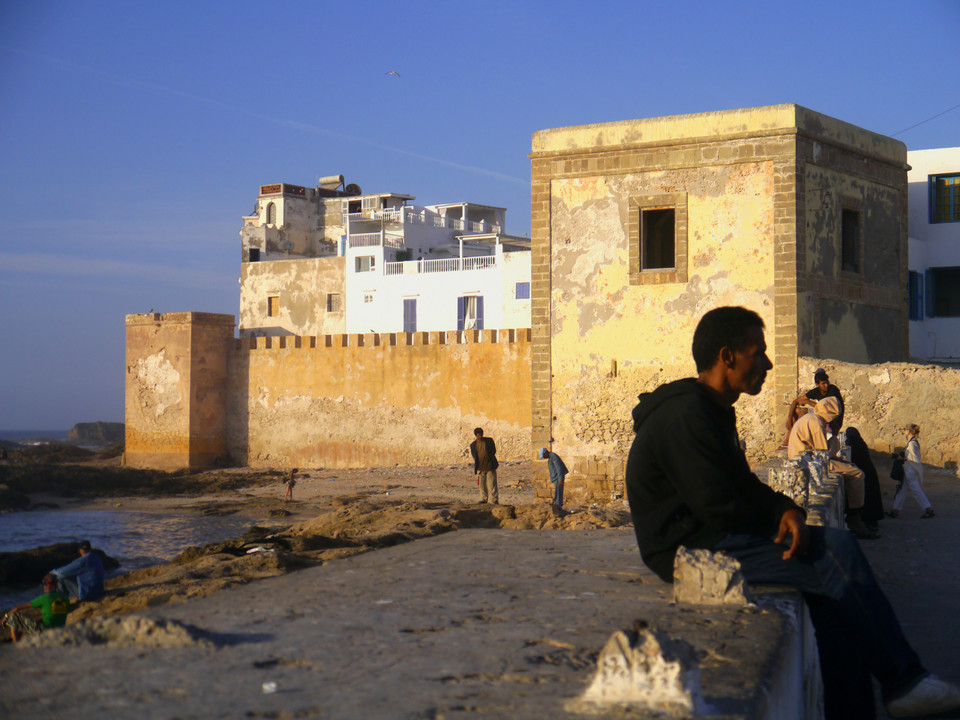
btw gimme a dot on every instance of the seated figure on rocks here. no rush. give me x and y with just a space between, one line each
810 433
53 606
689 483
82 578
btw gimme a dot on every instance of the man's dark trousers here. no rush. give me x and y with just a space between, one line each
858 633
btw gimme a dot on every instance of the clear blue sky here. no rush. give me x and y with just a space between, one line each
134 135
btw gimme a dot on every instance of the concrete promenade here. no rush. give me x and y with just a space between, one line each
474 623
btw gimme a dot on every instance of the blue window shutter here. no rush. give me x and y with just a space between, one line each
410 315
480 312
931 294
461 312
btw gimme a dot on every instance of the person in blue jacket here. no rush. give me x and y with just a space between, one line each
83 578
558 471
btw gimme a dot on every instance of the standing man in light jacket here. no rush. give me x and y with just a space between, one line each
83 578
558 471
485 465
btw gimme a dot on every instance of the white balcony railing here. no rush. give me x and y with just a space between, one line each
375 240
423 217
414 267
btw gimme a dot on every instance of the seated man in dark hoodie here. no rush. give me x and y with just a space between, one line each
688 483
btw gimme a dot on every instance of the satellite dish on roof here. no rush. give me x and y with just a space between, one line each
353 189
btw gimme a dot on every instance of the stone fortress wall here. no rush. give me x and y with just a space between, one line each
880 399
196 396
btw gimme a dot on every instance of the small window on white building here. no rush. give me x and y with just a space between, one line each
523 291
470 312
368 297
334 303
365 263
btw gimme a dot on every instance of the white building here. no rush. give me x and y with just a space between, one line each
329 260
934 255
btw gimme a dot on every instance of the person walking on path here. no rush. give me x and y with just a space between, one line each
485 465
83 578
53 606
809 433
558 471
872 500
689 483
912 476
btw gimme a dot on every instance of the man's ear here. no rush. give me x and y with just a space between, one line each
727 357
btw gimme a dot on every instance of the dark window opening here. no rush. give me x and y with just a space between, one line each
333 302
254 255
850 241
943 292
657 239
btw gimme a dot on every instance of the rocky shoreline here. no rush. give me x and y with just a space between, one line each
336 514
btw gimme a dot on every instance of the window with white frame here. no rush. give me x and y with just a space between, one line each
365 263
470 312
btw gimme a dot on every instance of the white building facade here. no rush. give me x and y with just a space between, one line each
934 254
325 260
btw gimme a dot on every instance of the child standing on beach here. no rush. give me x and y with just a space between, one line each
290 483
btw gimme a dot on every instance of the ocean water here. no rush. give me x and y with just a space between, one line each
135 539
21 436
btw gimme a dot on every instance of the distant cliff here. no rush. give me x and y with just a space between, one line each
96 433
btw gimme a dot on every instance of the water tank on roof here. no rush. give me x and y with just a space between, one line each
330 182
353 189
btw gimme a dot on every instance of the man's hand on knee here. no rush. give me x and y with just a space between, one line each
793 523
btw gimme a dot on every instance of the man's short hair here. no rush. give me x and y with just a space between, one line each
478 431
85 545
719 328
821 376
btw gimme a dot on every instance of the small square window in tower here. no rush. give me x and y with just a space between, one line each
657 239
850 241
333 302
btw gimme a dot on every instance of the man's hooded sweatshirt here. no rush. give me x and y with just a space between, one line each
688 481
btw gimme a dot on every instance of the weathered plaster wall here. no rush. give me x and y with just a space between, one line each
880 399
392 399
601 335
301 286
860 316
611 340
176 388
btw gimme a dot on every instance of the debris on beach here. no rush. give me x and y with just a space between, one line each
125 631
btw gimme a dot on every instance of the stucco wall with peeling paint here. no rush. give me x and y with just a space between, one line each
301 288
611 340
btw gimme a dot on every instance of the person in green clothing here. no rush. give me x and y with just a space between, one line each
53 605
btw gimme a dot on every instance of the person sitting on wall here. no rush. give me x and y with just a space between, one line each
52 605
558 471
689 483
82 578
810 433
485 465
803 404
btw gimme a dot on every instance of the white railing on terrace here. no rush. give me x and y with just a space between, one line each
374 240
409 215
414 267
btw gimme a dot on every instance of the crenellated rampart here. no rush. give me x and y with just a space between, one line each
378 399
